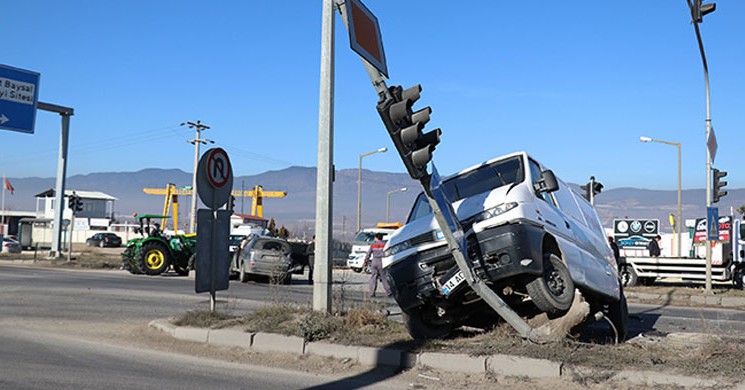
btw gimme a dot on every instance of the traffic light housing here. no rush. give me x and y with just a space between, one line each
75 203
78 204
406 126
698 10
717 192
593 185
231 203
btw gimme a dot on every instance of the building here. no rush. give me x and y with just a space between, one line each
97 215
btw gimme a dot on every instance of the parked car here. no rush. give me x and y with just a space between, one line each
10 246
530 237
104 240
263 256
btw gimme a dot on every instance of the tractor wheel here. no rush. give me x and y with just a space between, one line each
129 263
553 291
181 270
192 264
153 258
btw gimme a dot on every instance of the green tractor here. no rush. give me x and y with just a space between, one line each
155 252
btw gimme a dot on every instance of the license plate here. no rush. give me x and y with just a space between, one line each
453 282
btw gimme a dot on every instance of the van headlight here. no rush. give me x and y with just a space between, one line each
402 246
490 213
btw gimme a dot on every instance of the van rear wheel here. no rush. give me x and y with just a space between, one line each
553 291
618 314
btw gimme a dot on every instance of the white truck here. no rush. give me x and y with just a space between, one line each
728 257
365 238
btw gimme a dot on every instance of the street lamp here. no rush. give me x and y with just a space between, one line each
388 202
199 126
359 184
680 218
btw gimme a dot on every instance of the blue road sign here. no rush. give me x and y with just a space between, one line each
712 223
19 93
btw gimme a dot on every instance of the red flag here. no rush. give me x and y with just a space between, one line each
8 187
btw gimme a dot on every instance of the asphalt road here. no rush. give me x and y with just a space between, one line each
56 323
34 360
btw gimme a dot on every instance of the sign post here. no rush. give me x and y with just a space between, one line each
214 184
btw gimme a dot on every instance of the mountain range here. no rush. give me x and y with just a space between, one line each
296 211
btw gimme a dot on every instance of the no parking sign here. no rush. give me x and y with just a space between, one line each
214 178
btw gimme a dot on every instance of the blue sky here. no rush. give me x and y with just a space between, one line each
573 83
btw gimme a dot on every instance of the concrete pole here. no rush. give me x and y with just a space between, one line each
59 194
198 126
680 204
322 279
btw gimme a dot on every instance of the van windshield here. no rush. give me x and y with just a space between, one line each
482 179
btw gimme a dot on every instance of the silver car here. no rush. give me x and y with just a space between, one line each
267 257
10 246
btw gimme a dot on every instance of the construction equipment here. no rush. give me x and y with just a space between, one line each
172 192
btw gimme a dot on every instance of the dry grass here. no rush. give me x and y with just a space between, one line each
361 326
679 288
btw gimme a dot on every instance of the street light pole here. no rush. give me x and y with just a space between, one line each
697 11
388 203
196 142
359 185
680 208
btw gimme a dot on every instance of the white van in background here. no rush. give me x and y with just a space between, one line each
365 238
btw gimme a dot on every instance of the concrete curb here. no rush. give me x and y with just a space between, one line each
686 300
504 365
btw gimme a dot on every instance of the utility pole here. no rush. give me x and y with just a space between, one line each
198 126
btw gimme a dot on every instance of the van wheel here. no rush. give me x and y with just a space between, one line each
629 278
419 329
553 291
618 314
358 270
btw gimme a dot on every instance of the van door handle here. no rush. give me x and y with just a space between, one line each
567 225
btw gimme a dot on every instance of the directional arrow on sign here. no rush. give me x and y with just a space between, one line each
3 119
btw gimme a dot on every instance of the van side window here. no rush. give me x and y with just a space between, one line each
535 176
589 214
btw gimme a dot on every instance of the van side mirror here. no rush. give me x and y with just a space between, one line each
548 182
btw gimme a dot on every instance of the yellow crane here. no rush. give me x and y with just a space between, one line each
171 193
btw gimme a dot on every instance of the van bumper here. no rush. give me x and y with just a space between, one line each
497 254
508 250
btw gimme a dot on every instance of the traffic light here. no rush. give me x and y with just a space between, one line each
405 128
71 202
698 10
596 187
78 204
231 203
718 185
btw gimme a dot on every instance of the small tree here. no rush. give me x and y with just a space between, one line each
272 227
283 233
741 210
